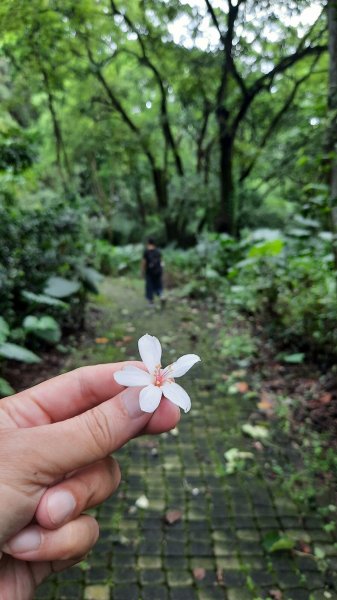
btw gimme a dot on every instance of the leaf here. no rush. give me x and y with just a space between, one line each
235 454
59 287
296 358
319 553
173 516
4 330
45 328
199 573
43 299
275 594
242 387
304 547
5 388
91 278
255 431
220 576
14 352
274 542
101 340
142 502
325 398
269 248
266 403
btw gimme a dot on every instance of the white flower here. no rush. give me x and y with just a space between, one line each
156 382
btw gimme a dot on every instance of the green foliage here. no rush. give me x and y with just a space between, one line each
114 260
236 460
5 388
16 151
292 282
15 352
4 330
12 351
59 287
45 328
274 542
51 257
37 299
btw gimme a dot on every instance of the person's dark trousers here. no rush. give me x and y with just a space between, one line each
154 286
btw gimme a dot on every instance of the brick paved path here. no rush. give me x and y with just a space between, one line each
215 550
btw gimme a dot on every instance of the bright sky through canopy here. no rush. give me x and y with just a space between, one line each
208 35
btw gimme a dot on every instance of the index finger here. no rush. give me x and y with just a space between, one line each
65 396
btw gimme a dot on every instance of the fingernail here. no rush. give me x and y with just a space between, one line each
130 398
60 506
26 541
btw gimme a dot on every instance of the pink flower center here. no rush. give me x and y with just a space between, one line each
159 377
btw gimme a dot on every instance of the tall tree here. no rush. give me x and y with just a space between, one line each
332 132
232 74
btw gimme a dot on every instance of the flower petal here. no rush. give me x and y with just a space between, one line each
150 351
149 398
182 365
132 376
177 395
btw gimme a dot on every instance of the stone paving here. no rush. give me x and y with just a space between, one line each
213 548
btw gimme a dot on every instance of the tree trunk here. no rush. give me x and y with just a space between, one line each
332 133
161 190
160 186
140 201
226 218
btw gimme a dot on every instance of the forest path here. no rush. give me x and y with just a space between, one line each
211 545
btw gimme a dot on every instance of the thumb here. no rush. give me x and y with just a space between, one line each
60 448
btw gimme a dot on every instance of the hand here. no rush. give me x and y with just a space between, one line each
55 441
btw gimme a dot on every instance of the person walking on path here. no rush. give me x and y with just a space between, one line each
152 269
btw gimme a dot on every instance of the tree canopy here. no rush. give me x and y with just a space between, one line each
167 116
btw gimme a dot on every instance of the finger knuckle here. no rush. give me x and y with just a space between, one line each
100 434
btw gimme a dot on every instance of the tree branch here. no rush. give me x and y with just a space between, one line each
145 60
266 80
276 119
116 104
214 18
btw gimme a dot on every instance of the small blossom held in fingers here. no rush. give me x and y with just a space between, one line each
155 381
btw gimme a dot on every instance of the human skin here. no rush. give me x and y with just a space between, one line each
55 444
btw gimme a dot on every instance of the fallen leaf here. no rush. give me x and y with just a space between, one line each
173 516
199 573
255 431
304 547
242 387
325 398
101 340
266 403
294 359
274 384
127 339
274 542
219 576
238 373
258 446
142 502
234 454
